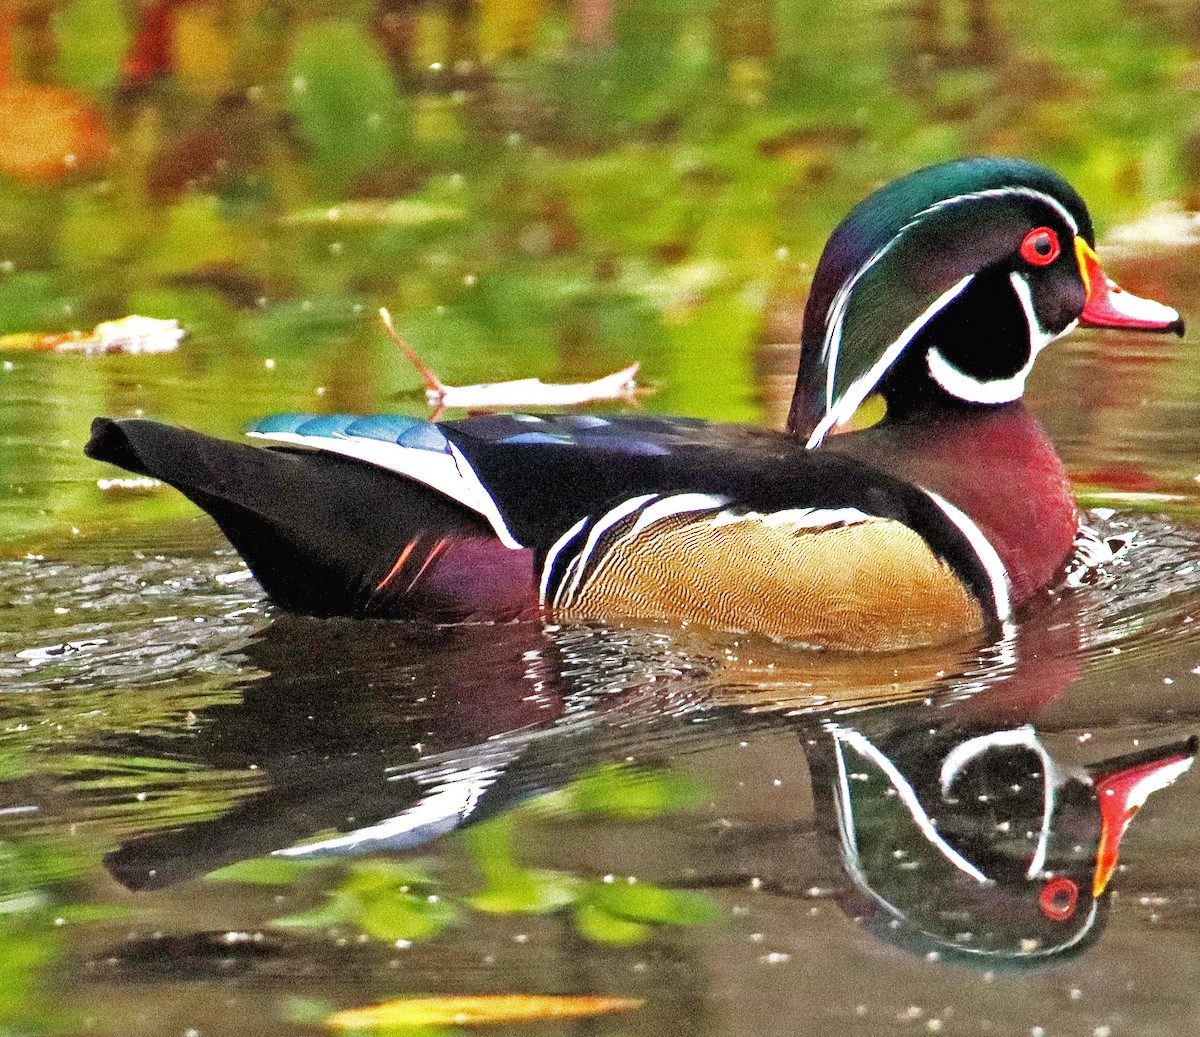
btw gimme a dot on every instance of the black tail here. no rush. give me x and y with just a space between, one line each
319 531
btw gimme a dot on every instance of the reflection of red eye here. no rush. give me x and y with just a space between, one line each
1057 899
1040 246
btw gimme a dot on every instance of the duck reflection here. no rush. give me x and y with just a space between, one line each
981 846
959 829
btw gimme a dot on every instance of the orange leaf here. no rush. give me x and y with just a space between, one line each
473 1011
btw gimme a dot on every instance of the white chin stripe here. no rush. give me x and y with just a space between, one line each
996 390
988 558
961 385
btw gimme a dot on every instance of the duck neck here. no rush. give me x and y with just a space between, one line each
998 466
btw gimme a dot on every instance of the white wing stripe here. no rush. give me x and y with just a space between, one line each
448 473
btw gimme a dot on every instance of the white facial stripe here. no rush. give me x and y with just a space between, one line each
859 390
834 320
552 556
988 558
1039 337
999 192
996 390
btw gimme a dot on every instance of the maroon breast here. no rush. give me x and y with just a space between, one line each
998 466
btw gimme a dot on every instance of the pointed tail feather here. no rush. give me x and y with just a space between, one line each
322 533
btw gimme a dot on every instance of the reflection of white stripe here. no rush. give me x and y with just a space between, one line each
836 316
867 749
988 558
436 813
1053 777
861 388
603 524
853 863
552 555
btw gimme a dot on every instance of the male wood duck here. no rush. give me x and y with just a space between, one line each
937 292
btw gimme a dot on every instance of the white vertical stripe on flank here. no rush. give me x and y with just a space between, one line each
988 558
603 524
552 555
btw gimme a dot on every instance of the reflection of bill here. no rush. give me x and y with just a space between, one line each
958 829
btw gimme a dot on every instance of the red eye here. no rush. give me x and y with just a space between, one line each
1058 898
1040 246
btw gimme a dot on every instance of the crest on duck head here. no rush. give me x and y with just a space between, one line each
947 283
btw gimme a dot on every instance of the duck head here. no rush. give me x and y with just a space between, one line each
942 288
985 849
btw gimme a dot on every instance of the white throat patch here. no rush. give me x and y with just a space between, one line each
996 390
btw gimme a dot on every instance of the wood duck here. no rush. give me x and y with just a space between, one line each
937 292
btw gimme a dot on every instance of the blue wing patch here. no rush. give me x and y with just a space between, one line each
279 423
387 428
325 425
424 436
538 437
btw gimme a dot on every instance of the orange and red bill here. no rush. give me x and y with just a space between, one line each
1110 306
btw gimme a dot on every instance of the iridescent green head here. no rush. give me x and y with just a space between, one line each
945 285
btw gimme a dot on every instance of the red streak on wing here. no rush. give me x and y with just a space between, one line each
398 566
